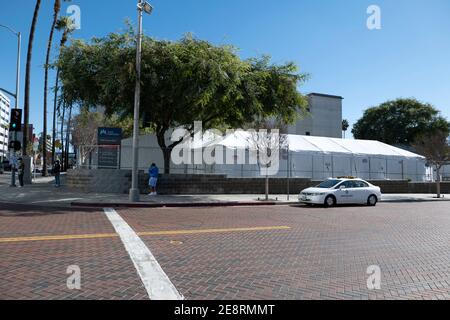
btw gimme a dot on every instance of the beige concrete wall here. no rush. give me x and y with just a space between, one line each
324 120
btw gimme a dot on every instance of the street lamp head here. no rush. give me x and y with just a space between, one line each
146 7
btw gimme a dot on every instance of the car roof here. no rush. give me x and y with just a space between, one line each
347 179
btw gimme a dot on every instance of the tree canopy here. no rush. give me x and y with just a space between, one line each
399 122
182 82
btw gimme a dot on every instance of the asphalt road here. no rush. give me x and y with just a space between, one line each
284 252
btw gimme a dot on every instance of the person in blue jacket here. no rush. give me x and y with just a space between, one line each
154 174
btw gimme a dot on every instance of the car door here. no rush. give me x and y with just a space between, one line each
344 192
359 191
366 191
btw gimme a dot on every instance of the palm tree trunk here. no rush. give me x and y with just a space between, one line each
55 108
69 120
26 106
56 10
55 102
62 138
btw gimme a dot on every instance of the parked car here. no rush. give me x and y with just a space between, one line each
342 191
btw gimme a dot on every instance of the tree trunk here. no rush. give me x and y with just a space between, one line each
62 138
54 116
167 152
438 181
26 107
66 158
57 7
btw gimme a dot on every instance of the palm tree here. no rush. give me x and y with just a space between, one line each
56 10
345 126
65 24
26 106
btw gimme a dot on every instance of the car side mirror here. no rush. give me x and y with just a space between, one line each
342 188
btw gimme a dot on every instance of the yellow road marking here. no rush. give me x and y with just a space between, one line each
144 234
182 232
60 237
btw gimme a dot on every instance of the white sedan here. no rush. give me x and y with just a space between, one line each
342 191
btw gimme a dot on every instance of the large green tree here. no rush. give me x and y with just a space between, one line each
182 82
399 122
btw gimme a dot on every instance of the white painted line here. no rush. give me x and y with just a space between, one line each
155 280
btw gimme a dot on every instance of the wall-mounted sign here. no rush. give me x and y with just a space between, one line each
109 136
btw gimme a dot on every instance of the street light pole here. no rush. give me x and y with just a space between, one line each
134 191
16 96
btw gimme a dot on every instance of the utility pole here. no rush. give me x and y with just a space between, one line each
134 191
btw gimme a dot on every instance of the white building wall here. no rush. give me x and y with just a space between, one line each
5 109
324 118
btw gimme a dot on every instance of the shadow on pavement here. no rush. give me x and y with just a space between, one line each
27 210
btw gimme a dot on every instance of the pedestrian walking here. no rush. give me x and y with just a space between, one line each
153 172
57 173
21 171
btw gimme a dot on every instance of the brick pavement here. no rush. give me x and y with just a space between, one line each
37 270
324 254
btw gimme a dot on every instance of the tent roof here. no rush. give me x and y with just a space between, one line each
297 143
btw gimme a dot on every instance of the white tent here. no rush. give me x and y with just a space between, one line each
316 158
320 158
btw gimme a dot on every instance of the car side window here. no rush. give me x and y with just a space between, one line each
363 184
352 184
346 184
360 184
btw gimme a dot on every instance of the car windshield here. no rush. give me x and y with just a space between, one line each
328 184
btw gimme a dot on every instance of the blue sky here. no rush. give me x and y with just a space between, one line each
408 57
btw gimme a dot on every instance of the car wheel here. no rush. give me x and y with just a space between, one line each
330 201
372 201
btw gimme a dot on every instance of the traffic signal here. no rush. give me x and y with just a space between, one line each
16 120
15 145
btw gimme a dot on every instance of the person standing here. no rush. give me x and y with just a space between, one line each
57 173
154 174
21 171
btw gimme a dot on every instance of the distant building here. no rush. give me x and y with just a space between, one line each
324 118
5 109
